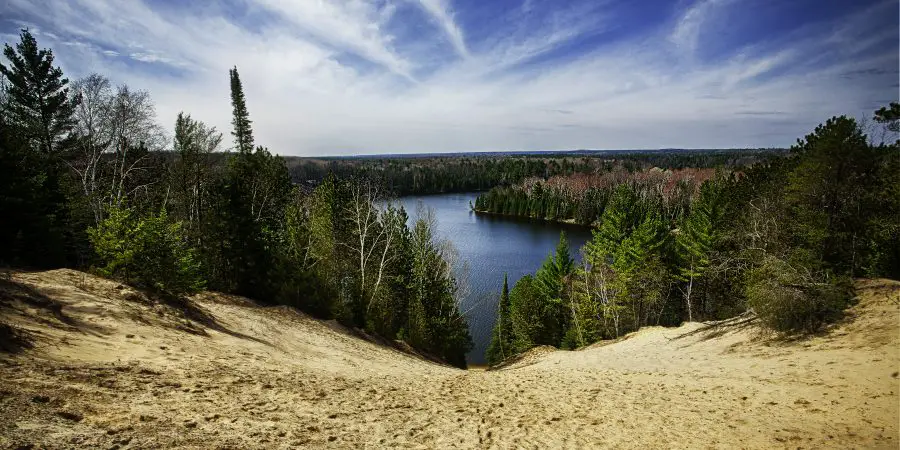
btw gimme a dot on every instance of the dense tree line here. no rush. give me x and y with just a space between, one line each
781 239
89 179
431 174
581 198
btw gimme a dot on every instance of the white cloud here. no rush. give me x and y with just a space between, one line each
331 77
439 10
686 33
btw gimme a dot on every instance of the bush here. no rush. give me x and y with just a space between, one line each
795 301
147 251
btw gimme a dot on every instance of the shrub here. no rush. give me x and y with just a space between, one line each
147 251
795 301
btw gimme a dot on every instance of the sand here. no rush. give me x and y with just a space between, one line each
103 367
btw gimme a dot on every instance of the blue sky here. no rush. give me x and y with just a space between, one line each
329 77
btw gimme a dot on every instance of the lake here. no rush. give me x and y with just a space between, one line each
490 246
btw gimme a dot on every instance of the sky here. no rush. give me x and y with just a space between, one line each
344 77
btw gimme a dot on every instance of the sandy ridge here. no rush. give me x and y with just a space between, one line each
108 368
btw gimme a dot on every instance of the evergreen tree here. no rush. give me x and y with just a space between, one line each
439 326
501 346
39 105
883 227
556 267
615 224
248 213
550 281
148 251
36 115
889 116
526 314
694 242
826 191
240 122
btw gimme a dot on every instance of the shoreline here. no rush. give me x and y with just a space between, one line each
571 222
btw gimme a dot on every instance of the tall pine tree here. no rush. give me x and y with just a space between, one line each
39 97
695 240
243 134
550 281
36 116
501 346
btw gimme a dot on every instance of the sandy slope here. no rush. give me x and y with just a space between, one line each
108 369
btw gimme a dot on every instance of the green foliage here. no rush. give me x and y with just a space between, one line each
697 236
39 103
637 246
35 115
556 267
502 338
585 322
245 222
826 192
240 122
781 236
439 326
246 216
616 223
550 281
192 172
148 251
793 299
890 116
526 314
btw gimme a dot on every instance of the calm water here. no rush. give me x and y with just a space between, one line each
490 246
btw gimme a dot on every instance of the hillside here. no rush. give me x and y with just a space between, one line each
95 364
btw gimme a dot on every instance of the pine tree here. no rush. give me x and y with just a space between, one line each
556 267
827 190
526 314
615 224
39 99
501 346
643 241
439 327
550 281
242 132
695 240
36 115
248 215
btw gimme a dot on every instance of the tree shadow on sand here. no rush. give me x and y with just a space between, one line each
197 314
18 298
720 328
50 310
14 340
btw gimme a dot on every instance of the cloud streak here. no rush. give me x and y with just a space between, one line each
440 12
346 77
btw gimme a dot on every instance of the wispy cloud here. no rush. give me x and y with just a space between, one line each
361 76
439 10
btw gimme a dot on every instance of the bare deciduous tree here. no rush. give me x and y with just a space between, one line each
133 128
109 127
93 95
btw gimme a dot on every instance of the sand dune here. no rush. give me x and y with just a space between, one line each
100 366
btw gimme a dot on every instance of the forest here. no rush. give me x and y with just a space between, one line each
89 179
472 172
581 198
781 239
